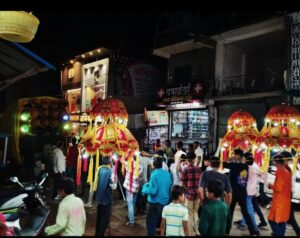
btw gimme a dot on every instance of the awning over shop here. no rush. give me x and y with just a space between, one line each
18 62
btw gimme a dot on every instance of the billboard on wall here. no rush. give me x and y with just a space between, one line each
157 118
94 83
134 78
73 97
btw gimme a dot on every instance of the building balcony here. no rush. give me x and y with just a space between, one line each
248 84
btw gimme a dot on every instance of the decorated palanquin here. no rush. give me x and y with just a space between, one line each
241 133
107 135
281 131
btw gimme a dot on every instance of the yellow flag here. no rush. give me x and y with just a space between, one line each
137 165
295 163
265 166
97 160
90 174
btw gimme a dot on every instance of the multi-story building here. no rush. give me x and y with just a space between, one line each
240 68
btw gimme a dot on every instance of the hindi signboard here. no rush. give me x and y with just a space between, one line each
180 94
293 21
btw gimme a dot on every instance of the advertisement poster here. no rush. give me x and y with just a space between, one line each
73 97
157 118
134 78
154 133
94 83
142 78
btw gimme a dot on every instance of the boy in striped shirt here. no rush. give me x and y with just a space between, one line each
175 216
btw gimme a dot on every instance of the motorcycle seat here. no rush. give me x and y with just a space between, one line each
4 200
9 193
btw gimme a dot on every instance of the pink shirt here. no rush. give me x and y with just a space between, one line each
253 172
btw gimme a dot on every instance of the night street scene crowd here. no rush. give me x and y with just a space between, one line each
186 194
141 124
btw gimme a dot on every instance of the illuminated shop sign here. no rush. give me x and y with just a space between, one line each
84 117
180 94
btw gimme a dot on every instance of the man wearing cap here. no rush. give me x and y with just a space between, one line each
281 200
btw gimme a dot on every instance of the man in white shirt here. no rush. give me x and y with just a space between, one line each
148 160
199 154
179 151
71 217
175 169
59 167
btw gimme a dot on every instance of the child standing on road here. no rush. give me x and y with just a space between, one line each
215 215
175 215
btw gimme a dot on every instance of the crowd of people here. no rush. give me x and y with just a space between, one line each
182 193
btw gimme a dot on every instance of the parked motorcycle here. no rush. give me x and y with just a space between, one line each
26 212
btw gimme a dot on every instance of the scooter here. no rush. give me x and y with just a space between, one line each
27 208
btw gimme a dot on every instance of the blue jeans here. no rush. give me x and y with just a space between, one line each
153 217
278 228
131 200
251 213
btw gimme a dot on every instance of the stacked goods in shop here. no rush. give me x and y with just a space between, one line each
42 114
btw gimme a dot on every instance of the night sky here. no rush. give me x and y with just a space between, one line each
62 35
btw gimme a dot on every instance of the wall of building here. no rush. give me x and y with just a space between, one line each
202 62
233 61
75 81
258 108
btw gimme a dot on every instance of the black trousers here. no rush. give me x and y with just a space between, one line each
83 182
240 198
292 221
57 179
153 217
103 217
141 201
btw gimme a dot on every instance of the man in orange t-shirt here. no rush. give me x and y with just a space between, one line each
281 201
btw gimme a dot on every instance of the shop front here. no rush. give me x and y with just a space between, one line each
94 76
84 82
157 128
188 113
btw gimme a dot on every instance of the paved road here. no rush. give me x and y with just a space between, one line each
119 210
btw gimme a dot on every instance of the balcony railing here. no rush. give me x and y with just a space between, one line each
245 84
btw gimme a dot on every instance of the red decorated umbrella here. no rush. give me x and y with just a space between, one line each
110 136
241 133
282 121
281 131
111 109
